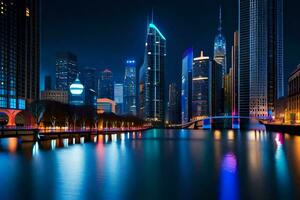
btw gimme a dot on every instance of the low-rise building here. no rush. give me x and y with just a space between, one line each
106 105
61 96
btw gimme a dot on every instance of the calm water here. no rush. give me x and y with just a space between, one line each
156 164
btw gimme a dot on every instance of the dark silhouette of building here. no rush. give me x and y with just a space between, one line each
173 105
66 70
106 86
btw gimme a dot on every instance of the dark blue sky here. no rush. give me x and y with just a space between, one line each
103 34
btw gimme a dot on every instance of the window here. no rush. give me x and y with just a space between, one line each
22 104
3 103
12 103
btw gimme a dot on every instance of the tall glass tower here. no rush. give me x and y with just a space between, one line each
152 101
130 88
19 53
186 86
220 47
260 56
106 87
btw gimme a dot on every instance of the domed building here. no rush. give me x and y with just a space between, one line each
77 96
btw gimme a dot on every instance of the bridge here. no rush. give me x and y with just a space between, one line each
207 122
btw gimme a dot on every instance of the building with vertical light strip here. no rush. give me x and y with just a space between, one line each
186 86
152 97
19 54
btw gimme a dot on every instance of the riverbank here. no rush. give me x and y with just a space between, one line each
283 128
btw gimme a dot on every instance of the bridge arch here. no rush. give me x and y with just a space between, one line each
11 114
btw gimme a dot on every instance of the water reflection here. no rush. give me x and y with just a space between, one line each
156 164
229 178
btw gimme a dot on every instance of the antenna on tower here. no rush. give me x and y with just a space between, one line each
152 17
220 19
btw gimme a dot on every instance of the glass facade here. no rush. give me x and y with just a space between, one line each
200 87
66 70
153 99
19 53
130 88
118 97
186 80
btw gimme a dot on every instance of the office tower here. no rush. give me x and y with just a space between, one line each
216 93
200 87
88 76
235 79
173 105
77 93
118 97
220 47
19 53
152 98
293 108
66 70
186 86
261 56
228 93
130 88
48 82
106 87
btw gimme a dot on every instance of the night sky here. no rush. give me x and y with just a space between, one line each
103 34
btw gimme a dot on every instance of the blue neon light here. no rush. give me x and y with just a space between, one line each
153 26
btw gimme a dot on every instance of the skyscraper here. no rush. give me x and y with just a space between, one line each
186 86
261 56
88 77
152 99
173 104
130 88
66 70
200 87
19 53
220 47
216 92
235 79
106 87
118 97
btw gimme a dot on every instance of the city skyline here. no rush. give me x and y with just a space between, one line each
200 37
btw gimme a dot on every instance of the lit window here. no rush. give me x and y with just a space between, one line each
27 12
22 104
12 103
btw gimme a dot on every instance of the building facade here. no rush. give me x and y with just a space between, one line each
119 97
260 56
77 93
173 115
200 87
66 70
55 95
186 86
48 82
216 91
152 97
106 105
130 88
106 85
88 76
19 53
293 110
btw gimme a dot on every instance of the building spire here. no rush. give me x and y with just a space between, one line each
152 16
220 20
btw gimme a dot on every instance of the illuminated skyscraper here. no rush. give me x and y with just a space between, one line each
152 99
118 95
106 87
130 88
220 47
261 56
200 87
173 115
186 86
19 53
66 70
